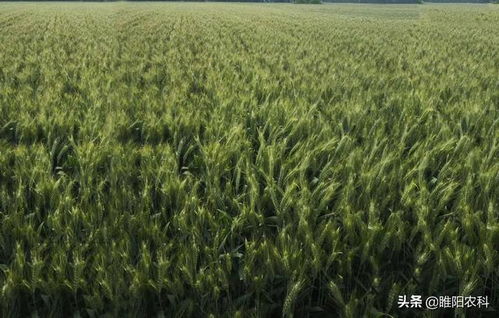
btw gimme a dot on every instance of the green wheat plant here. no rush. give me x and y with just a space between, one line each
247 160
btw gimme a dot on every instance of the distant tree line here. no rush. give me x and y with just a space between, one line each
407 1
291 1
457 1
373 1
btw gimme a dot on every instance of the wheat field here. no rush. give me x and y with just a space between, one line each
247 160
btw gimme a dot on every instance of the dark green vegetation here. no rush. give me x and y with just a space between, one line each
179 159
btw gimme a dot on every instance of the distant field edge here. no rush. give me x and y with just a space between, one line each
283 1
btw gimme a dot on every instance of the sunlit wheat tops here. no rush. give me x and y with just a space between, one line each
246 160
